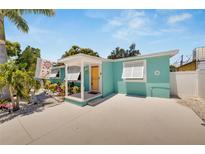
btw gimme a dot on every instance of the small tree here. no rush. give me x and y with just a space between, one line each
76 50
16 79
13 49
122 53
28 59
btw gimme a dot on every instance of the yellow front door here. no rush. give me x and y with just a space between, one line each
95 78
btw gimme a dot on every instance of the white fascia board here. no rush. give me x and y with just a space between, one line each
159 54
84 57
92 59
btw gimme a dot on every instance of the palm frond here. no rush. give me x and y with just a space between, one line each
47 12
16 17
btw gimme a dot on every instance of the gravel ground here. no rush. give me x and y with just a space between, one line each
197 105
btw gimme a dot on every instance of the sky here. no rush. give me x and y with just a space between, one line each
104 30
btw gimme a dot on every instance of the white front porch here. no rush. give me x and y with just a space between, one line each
87 90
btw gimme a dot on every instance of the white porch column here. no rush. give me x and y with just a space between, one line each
66 81
100 76
82 80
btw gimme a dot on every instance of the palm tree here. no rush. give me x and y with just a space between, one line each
16 16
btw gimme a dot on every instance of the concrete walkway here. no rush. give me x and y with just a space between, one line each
119 120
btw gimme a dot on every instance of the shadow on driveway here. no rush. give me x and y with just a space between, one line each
45 101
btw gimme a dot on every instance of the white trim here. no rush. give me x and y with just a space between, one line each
86 58
80 100
74 98
145 72
90 78
99 59
82 80
100 75
66 81
159 54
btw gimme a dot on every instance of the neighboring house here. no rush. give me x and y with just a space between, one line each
191 66
198 61
199 56
145 75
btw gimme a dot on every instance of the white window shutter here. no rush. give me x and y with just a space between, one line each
133 70
73 73
127 72
54 73
138 72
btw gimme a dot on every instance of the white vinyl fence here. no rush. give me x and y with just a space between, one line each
188 84
201 84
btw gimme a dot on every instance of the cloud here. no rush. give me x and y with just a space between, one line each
172 30
121 34
132 24
178 18
98 14
127 24
128 18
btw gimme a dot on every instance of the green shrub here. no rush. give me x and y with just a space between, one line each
47 84
52 87
2 101
75 89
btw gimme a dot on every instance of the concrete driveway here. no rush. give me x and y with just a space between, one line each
119 120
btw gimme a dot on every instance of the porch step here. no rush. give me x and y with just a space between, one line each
99 100
96 102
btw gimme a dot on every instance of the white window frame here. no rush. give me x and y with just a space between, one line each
135 79
59 74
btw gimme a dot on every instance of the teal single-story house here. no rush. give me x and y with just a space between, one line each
144 75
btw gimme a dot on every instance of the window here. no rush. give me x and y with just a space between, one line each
55 73
134 70
73 73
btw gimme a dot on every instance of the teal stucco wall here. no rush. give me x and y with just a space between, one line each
161 64
107 78
112 82
129 88
61 78
86 78
158 85
155 86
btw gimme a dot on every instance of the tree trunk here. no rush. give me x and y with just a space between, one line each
11 94
3 53
17 102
